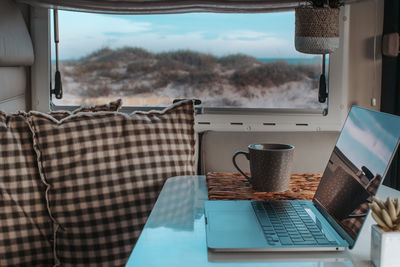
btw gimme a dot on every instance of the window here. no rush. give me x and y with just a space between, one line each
225 60
220 119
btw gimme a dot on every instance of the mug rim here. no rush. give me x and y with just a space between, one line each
274 147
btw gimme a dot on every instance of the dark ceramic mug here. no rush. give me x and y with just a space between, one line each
270 166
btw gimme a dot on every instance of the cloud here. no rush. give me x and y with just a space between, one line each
257 45
245 35
98 24
119 34
369 140
383 133
79 38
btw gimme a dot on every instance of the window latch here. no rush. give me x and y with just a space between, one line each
195 101
322 94
57 91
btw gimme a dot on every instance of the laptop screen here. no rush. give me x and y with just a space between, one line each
358 163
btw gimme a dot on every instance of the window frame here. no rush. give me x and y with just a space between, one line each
224 119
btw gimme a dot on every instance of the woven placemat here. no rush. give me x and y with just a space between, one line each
233 186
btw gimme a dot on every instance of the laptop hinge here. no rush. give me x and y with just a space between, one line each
334 224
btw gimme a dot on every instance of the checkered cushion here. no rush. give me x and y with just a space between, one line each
105 172
25 226
112 106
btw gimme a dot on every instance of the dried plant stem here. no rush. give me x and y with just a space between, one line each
386 214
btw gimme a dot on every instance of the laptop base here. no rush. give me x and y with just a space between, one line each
232 226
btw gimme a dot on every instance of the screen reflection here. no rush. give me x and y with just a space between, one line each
355 169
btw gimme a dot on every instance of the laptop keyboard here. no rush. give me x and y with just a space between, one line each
287 223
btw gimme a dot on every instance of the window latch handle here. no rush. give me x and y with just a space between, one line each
57 91
195 101
322 89
322 93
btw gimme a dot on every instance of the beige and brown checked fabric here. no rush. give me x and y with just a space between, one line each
112 106
105 171
25 227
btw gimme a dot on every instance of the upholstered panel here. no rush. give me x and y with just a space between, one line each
14 104
12 89
13 82
15 42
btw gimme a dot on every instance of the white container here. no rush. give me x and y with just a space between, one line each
385 247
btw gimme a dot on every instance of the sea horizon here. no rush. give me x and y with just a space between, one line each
289 60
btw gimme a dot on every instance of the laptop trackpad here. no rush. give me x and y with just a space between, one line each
227 228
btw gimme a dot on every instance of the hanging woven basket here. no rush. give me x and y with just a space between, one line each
317 30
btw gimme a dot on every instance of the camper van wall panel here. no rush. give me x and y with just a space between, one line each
15 42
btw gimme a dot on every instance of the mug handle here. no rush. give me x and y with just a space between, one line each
234 161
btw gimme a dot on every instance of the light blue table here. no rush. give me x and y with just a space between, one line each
174 236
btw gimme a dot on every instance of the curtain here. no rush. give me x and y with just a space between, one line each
390 98
173 6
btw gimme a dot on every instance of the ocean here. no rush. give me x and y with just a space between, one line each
295 61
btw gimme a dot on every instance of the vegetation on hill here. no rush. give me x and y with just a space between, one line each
228 80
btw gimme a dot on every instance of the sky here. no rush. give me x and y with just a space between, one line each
369 138
268 35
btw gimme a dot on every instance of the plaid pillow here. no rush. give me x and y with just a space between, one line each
25 225
105 171
112 106
26 229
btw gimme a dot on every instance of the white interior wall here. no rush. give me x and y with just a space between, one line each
12 88
312 149
14 84
365 57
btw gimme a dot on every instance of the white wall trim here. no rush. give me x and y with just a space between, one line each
40 70
13 104
13 98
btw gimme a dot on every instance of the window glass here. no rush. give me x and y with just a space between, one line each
225 60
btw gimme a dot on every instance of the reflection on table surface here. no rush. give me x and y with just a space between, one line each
178 206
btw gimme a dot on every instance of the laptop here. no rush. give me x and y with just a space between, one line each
333 220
